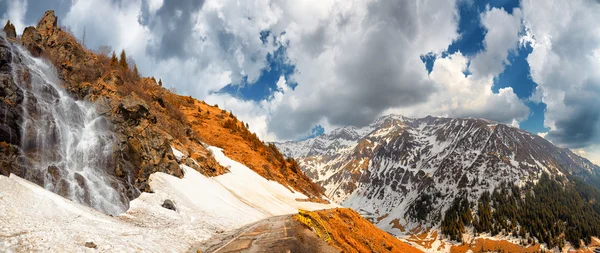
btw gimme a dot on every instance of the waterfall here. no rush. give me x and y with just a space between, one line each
67 145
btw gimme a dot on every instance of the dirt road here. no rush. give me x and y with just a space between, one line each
276 234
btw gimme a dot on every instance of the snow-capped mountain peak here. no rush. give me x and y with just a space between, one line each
394 165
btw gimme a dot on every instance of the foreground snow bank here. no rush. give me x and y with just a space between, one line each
34 219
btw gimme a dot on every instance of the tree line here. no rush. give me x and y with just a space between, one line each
553 211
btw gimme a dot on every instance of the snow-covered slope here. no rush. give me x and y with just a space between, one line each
407 171
34 219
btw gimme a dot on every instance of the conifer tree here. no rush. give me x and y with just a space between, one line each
123 60
136 74
160 82
113 60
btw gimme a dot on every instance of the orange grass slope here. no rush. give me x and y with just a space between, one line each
350 232
217 127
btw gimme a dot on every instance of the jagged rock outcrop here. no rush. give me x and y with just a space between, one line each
9 30
32 40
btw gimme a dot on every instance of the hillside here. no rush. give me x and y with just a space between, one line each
116 162
406 173
220 128
147 119
349 232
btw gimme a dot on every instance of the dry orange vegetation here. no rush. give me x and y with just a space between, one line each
350 232
424 239
396 224
217 127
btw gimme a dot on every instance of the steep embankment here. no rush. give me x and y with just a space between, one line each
347 231
220 128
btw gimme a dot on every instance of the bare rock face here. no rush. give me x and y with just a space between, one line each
133 110
32 40
48 23
11 98
168 204
9 30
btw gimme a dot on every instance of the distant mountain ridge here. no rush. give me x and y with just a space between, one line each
386 168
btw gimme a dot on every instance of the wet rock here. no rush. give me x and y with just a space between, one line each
10 161
54 172
62 188
35 176
91 245
9 130
82 183
80 180
168 204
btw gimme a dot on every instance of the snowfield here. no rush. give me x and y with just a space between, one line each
34 219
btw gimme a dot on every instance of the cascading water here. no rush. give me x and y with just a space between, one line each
67 146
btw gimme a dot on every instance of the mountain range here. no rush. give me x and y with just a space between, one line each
405 173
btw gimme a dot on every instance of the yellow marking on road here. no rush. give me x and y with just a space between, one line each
279 239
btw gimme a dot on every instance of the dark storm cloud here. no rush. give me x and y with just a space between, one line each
173 23
582 126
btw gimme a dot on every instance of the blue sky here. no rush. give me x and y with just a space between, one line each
516 74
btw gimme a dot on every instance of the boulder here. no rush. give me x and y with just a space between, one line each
54 172
91 245
168 204
133 109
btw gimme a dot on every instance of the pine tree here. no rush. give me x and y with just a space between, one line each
136 74
123 60
113 60
160 82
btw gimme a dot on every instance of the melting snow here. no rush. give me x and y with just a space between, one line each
35 219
